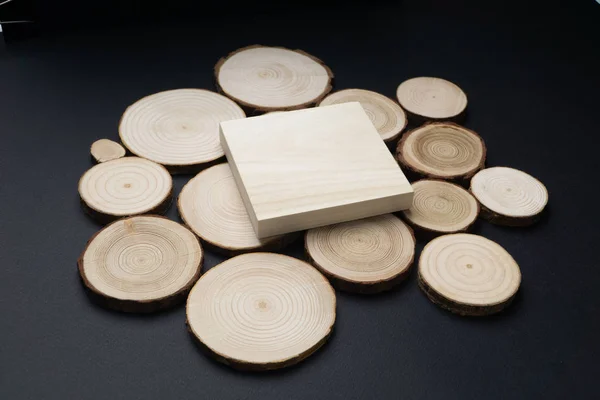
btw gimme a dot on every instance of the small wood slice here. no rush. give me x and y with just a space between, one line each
365 256
468 274
105 150
441 207
509 196
273 78
261 311
178 128
125 187
441 150
211 205
387 116
141 264
427 98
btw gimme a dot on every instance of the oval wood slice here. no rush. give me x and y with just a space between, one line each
468 274
105 150
141 264
365 256
441 150
432 99
441 207
211 205
273 78
387 116
509 196
178 128
261 311
124 187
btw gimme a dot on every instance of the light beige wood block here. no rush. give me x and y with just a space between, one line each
313 167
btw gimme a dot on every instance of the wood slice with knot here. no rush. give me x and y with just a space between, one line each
365 256
273 78
387 116
211 205
441 150
441 207
141 264
261 311
105 150
124 187
468 274
178 128
509 196
436 99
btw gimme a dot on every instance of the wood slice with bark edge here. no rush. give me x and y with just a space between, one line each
370 255
509 196
441 150
440 207
468 274
274 68
124 263
211 206
432 99
261 311
178 128
387 116
103 150
125 187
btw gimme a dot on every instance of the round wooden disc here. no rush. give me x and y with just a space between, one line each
442 150
141 264
273 78
388 117
177 128
441 207
509 196
105 150
261 311
432 98
211 205
367 256
468 274
124 187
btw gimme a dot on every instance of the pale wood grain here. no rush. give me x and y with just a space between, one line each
432 98
105 150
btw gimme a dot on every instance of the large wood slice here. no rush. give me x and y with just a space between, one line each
365 256
103 150
141 264
387 116
435 99
273 78
441 207
210 204
509 196
261 311
441 150
468 274
178 128
124 187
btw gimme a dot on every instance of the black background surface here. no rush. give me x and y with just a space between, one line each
531 73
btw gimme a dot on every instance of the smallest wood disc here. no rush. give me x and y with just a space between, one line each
509 196
388 117
441 207
468 274
366 256
432 99
105 150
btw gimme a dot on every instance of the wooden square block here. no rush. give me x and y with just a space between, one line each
301 169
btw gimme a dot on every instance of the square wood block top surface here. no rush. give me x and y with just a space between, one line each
302 169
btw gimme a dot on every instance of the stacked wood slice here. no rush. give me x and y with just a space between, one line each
273 78
365 256
105 150
433 99
261 311
387 116
124 187
141 264
178 128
